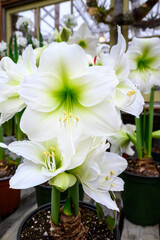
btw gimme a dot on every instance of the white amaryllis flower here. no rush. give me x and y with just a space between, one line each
3 48
98 175
127 97
144 60
11 74
22 41
67 98
121 142
69 20
24 22
18 34
84 38
44 161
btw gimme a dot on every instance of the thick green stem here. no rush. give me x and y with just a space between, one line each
8 127
74 195
55 205
150 122
139 136
2 152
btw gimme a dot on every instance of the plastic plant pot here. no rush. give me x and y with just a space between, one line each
141 199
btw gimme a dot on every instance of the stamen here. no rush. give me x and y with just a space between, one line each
77 118
64 112
70 115
45 153
112 173
52 148
65 118
130 93
60 119
112 185
53 154
107 178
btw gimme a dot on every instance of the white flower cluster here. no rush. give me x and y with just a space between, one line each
3 48
69 21
24 22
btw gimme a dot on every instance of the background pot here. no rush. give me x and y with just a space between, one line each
43 194
48 206
141 199
9 198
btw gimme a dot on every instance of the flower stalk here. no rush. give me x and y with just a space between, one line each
2 151
55 205
150 122
74 195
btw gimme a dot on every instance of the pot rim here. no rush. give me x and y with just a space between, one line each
86 204
5 178
140 176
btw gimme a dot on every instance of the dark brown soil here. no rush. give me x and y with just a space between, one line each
144 167
38 227
6 170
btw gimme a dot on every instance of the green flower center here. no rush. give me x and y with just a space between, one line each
82 44
52 160
144 61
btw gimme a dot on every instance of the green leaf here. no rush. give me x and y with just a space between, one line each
2 151
67 206
57 36
40 39
10 50
65 33
100 213
110 222
156 134
132 138
15 49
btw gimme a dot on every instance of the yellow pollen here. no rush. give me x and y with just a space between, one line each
60 119
64 112
70 115
112 172
77 118
50 155
130 93
52 148
65 118
45 153
53 154
112 185
107 178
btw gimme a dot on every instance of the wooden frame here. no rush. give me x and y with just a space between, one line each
9 7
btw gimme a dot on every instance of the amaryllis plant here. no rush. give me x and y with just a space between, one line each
144 60
71 109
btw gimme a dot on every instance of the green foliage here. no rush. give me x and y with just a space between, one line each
100 213
65 34
110 222
156 134
68 207
16 54
2 151
40 39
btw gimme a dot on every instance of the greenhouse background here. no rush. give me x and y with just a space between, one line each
105 20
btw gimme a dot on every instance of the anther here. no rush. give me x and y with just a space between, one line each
45 153
107 178
52 148
77 118
112 185
70 115
65 118
64 112
130 93
60 119
112 172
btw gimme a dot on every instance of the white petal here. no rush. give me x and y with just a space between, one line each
40 126
95 85
12 105
101 197
27 175
29 150
64 61
81 153
5 117
99 120
40 92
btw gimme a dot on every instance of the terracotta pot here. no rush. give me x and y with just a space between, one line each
9 198
48 207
